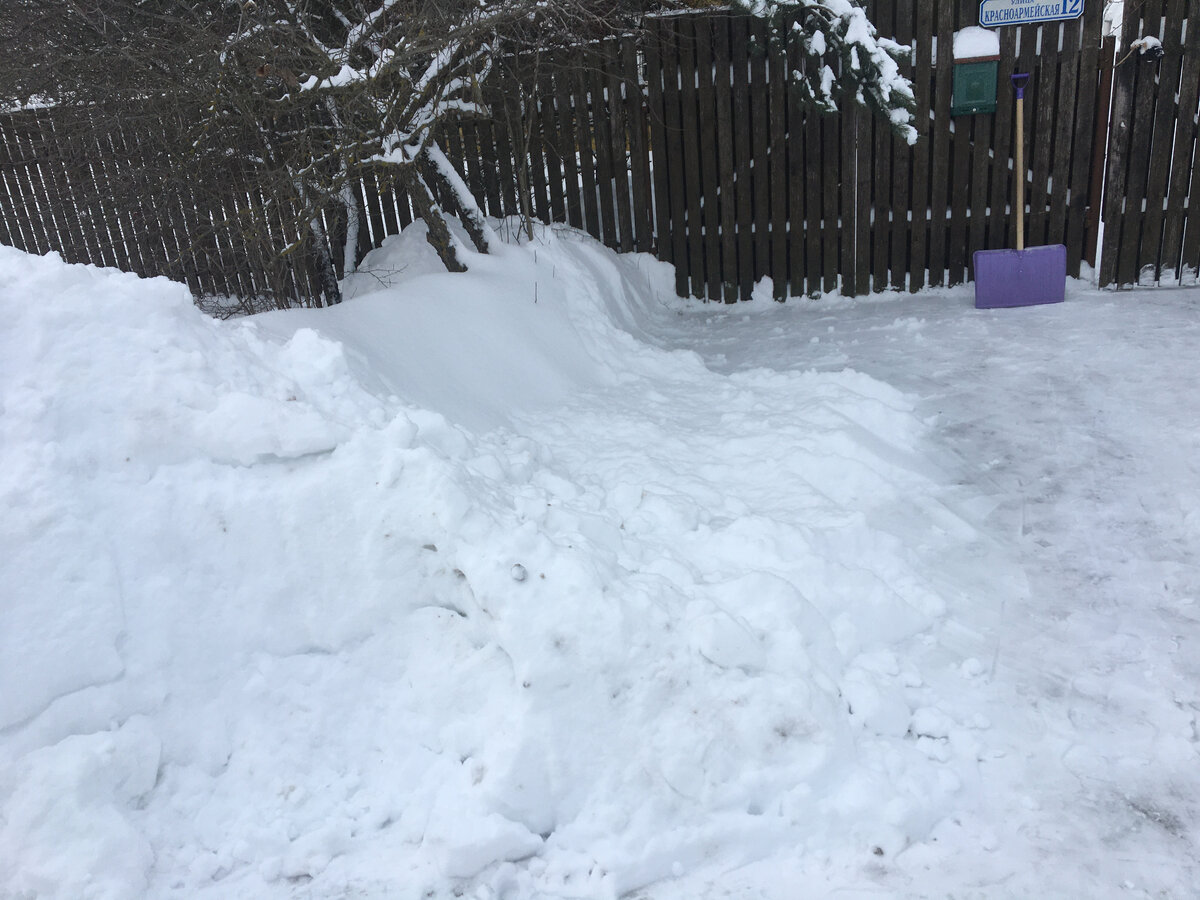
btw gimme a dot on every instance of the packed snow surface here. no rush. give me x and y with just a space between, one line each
536 582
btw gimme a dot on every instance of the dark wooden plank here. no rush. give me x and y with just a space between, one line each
940 164
1120 142
759 100
921 76
1190 263
831 179
566 149
847 201
1182 156
1000 179
690 136
1163 130
685 34
490 201
864 152
1026 62
673 138
536 159
1190 259
1065 143
637 108
552 147
619 136
726 163
602 141
1085 137
743 133
1041 141
710 184
977 220
882 231
901 162
958 237
584 140
813 170
656 124
777 81
1130 258
981 127
601 133
797 258
509 136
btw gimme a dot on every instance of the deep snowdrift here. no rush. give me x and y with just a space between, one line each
464 585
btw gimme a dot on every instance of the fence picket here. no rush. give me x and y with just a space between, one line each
777 79
797 260
639 148
1129 257
1088 142
902 162
941 176
1182 166
759 100
743 133
920 205
726 163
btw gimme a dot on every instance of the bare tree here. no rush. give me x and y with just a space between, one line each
306 93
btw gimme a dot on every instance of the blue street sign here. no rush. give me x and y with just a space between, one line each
993 13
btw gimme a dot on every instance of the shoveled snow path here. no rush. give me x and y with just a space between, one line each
1073 429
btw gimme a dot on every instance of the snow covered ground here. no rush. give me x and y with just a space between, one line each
536 582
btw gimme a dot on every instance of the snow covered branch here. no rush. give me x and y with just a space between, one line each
843 57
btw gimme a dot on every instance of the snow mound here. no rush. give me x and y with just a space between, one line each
463 585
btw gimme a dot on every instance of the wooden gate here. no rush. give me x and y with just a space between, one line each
749 183
1152 187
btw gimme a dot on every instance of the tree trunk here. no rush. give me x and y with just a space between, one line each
427 208
351 202
326 272
440 169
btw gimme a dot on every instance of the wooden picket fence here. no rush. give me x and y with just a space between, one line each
757 185
1152 204
689 144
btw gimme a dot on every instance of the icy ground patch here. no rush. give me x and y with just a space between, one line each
534 582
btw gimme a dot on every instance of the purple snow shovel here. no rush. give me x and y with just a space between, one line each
1021 277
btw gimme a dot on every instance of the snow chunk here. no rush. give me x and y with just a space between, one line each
975 41
68 827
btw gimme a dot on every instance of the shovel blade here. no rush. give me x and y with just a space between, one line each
1029 277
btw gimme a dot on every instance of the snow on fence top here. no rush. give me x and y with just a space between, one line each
973 42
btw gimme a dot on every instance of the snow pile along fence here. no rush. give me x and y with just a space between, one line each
688 142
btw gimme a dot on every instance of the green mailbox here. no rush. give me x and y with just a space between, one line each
974 85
